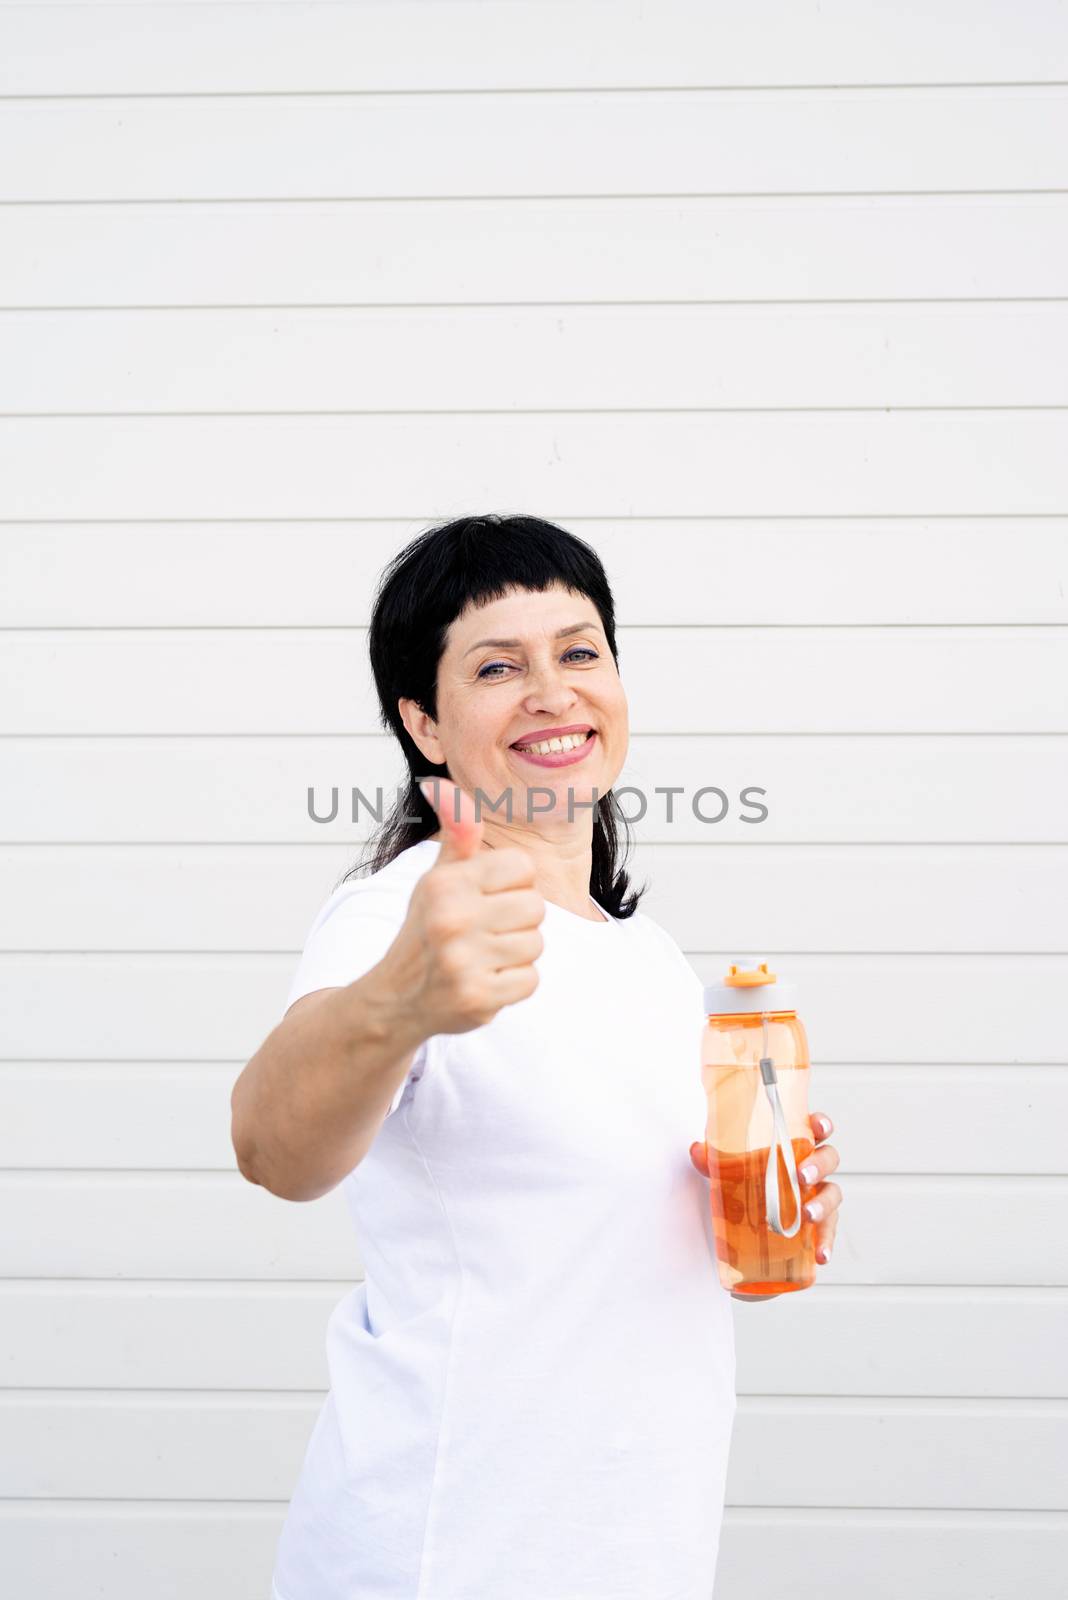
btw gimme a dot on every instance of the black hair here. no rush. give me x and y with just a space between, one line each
422 590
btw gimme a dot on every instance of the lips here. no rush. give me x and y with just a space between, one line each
559 758
537 735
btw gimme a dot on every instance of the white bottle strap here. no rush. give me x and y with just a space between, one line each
779 1140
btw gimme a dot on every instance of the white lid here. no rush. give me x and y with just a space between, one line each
749 999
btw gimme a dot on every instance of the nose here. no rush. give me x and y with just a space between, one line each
548 689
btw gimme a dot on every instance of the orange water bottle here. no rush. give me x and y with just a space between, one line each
755 1070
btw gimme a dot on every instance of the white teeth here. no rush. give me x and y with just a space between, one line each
570 741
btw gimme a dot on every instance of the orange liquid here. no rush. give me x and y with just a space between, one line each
761 1261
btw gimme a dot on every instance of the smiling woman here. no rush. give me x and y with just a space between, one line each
497 1053
493 633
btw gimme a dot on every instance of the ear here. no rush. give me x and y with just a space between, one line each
422 731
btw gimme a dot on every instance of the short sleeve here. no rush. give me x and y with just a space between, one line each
678 957
350 935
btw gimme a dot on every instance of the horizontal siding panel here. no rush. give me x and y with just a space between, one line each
146 1447
751 571
891 1230
682 141
841 463
904 1341
905 1453
316 681
225 1550
819 789
879 1553
878 1009
841 1341
893 1119
383 44
797 898
927 1453
464 252
138 1225
568 358
861 897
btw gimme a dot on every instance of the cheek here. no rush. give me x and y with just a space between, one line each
618 709
463 727
481 724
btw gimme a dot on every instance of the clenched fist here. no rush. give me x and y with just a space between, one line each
470 939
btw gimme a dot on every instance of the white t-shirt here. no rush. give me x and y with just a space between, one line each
533 1390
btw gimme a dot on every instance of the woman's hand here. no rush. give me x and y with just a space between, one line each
470 939
820 1200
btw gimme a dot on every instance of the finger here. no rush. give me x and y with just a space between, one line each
510 868
822 1126
825 1238
513 909
699 1157
827 1198
822 1161
518 949
512 984
461 834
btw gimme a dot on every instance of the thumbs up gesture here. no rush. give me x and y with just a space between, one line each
470 939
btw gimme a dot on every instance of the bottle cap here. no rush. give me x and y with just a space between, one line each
748 989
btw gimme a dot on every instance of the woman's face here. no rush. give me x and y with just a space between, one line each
512 672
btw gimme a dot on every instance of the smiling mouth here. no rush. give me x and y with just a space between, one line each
548 747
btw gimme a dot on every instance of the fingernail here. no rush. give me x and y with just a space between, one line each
823 1254
813 1210
809 1172
823 1124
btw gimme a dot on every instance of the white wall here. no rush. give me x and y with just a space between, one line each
769 302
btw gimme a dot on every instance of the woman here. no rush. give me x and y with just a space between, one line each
491 1047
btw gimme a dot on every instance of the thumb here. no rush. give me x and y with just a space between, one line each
461 832
699 1156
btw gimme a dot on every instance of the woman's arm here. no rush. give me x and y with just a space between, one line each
309 1103
307 1107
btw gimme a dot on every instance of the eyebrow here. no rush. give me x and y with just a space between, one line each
514 644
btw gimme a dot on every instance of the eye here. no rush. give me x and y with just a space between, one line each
490 669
